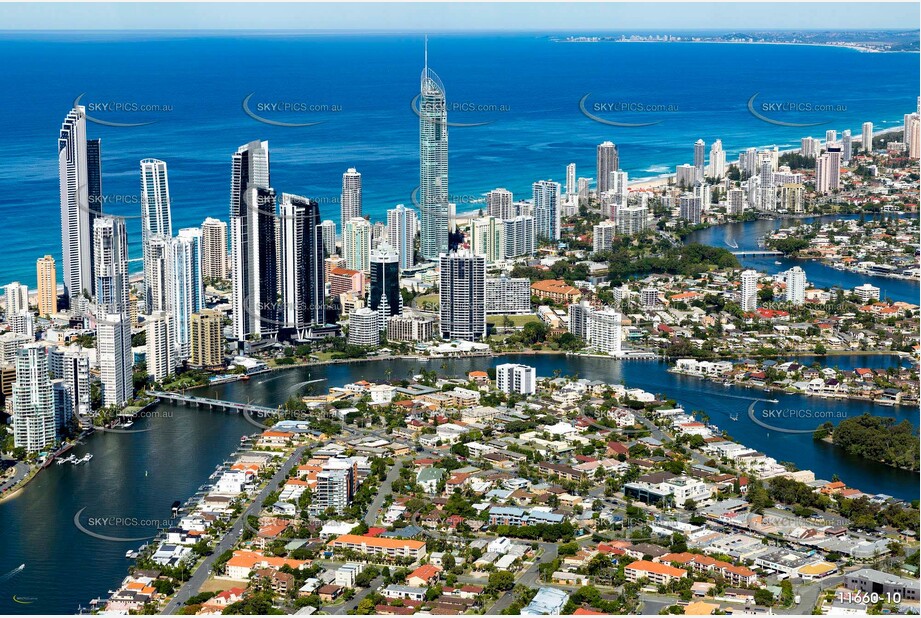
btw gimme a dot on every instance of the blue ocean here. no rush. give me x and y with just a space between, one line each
514 105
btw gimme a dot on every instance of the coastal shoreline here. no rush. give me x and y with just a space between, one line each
855 46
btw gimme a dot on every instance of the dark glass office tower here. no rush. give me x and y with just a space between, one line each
385 281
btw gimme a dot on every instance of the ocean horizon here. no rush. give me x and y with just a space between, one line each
517 101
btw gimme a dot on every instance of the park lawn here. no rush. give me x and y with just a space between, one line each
420 301
517 320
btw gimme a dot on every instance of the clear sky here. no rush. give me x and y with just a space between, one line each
433 17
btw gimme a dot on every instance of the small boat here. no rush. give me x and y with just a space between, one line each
778 263
131 554
734 417
127 424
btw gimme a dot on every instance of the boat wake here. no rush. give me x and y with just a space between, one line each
12 573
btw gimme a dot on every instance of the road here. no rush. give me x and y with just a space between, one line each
373 514
339 610
20 471
809 594
528 578
191 587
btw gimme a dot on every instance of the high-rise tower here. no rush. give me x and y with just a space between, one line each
433 164
81 202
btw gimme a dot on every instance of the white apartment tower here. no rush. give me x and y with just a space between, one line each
519 236
161 359
113 324
500 204
327 232
155 209
717 160
16 297
796 286
350 204
847 146
605 331
33 402
603 236
516 379
827 171
113 351
866 137
546 195
748 290
188 293
401 234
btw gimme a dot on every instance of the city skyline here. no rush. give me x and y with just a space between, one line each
671 368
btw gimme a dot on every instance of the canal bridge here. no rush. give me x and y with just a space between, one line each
220 404
757 253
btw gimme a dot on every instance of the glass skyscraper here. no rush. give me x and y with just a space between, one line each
433 165
81 202
385 294
155 212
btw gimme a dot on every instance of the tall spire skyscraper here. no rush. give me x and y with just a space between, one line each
81 202
433 164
